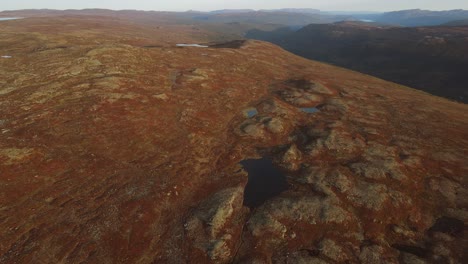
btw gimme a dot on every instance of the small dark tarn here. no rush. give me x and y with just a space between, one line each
152 46
310 110
448 225
265 181
235 44
41 49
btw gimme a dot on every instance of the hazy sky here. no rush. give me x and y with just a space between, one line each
204 5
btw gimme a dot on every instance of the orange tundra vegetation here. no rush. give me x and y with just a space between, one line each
116 146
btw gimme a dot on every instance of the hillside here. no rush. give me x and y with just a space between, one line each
432 59
223 25
117 146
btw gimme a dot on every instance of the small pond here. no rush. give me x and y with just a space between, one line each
265 181
251 112
310 110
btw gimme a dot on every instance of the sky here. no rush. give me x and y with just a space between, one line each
207 5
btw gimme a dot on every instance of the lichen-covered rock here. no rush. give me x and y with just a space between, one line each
331 250
379 169
374 255
269 221
449 189
369 195
213 224
321 89
340 181
275 125
292 157
299 257
220 252
407 258
252 129
338 142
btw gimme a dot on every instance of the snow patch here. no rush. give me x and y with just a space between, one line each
9 18
191 45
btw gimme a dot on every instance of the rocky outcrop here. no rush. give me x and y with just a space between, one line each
213 228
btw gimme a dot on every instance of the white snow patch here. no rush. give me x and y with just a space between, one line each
6 56
191 45
9 18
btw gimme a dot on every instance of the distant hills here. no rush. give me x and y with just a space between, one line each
295 16
284 16
294 10
417 17
269 17
230 11
287 10
457 23
432 59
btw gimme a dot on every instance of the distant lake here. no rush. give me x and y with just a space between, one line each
366 20
9 18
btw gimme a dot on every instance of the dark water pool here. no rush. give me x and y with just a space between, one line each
235 44
265 181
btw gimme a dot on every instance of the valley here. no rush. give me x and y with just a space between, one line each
431 59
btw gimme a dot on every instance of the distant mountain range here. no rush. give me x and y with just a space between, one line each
285 16
287 10
417 17
408 18
294 10
432 59
230 11
457 23
269 17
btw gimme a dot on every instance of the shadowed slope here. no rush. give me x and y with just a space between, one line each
432 59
